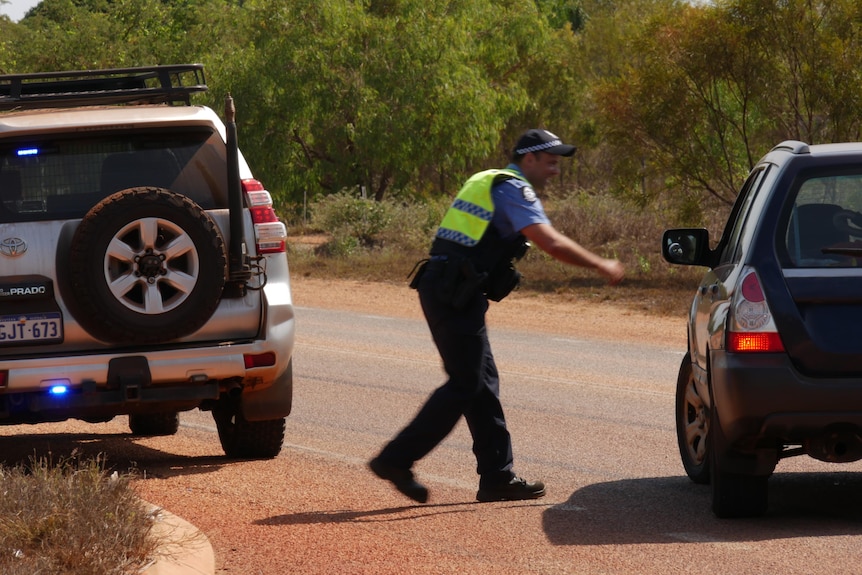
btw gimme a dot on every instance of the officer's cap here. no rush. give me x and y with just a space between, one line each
542 141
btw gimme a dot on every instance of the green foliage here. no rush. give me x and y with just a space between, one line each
414 224
11 36
92 34
563 13
352 220
397 97
669 101
717 85
354 223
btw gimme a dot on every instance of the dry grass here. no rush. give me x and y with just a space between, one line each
666 292
608 227
72 517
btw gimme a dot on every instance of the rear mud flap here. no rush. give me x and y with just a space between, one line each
274 402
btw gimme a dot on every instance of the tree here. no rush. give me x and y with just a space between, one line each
718 85
686 107
11 36
665 98
812 50
92 34
386 96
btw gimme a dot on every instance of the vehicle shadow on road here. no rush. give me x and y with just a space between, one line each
120 451
674 510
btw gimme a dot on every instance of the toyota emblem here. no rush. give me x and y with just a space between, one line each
13 247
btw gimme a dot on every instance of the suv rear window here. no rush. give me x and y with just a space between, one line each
825 224
63 177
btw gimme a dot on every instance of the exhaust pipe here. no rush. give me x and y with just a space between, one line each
234 390
837 446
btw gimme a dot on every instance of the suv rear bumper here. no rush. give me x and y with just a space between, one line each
90 402
104 385
763 402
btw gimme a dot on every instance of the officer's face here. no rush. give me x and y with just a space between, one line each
539 167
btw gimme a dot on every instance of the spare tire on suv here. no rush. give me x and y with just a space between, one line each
146 265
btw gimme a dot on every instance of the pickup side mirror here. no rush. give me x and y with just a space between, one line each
687 247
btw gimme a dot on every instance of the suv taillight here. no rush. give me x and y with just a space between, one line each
751 327
270 235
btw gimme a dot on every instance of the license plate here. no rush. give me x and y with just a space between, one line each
31 327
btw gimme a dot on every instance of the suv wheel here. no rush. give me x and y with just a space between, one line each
146 265
733 494
152 424
243 439
692 425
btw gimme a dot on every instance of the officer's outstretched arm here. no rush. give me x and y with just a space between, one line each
560 247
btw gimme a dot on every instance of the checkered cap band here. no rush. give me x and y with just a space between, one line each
539 147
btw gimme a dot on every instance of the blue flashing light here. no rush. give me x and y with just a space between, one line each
58 390
28 152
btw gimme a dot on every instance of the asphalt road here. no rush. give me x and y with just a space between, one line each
592 419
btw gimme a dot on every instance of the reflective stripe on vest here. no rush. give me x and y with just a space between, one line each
469 215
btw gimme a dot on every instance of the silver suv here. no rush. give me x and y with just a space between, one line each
142 267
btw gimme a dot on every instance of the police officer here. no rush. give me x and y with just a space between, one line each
483 233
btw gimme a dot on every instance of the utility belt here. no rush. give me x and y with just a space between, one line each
459 280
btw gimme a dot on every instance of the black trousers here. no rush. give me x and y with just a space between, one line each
472 390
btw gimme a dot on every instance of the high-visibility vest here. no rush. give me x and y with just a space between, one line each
468 217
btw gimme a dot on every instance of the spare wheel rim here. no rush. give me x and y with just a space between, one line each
151 266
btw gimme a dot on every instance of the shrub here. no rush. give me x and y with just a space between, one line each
414 224
71 518
348 218
357 224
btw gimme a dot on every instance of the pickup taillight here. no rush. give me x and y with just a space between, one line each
270 235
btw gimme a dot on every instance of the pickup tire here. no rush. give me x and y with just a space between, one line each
146 265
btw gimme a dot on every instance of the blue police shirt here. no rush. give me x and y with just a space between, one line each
516 206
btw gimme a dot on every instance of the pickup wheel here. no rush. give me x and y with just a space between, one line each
146 265
692 425
153 424
243 439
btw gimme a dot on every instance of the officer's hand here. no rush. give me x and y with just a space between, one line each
613 270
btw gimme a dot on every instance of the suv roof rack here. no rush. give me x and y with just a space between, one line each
169 84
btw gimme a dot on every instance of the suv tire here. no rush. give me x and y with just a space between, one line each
153 424
692 425
734 494
243 439
146 265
